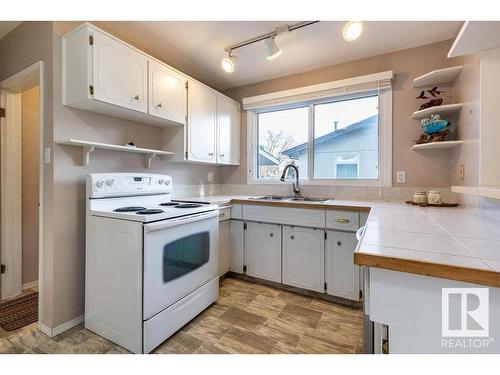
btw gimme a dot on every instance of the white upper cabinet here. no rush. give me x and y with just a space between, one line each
167 93
228 131
202 119
120 74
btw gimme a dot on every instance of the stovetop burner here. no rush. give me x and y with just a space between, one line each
169 204
149 211
129 209
188 205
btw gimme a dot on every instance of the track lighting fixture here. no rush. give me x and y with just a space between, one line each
352 30
228 62
272 48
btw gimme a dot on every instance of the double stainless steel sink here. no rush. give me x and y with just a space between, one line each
292 198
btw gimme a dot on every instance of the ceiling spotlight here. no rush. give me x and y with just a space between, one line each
352 30
227 63
272 48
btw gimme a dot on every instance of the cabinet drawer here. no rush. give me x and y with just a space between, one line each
236 211
343 220
224 213
282 215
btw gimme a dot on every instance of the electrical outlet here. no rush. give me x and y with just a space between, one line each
461 172
401 177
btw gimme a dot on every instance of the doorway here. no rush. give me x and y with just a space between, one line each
21 171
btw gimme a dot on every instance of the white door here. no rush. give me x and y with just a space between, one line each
263 251
119 73
304 258
167 93
236 245
180 255
342 275
228 131
223 247
202 105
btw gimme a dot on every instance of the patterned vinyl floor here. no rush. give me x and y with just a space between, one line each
247 318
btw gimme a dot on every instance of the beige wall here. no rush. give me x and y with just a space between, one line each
423 169
30 154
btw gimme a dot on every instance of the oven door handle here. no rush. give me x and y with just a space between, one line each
181 220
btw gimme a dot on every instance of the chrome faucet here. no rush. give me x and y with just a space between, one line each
295 185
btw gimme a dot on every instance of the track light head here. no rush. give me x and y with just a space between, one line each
228 62
272 48
352 30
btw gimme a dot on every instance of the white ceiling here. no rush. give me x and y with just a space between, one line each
7 26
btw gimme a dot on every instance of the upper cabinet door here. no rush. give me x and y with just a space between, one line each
167 93
119 73
228 131
202 113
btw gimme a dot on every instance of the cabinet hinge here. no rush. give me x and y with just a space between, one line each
3 268
187 84
326 236
91 39
2 112
186 154
385 346
245 226
360 294
91 90
326 287
244 268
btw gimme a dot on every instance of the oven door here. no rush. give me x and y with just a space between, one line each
180 255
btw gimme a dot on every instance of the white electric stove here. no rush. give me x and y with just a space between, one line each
151 262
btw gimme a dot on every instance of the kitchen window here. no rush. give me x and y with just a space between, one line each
340 139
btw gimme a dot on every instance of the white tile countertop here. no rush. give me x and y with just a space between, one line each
454 243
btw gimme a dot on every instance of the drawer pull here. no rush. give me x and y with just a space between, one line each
292 237
271 234
342 220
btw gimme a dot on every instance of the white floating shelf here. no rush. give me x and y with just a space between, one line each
486 192
446 75
436 145
475 37
89 147
437 110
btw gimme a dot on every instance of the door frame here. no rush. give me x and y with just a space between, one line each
28 78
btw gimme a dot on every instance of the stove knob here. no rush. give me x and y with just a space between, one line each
100 184
110 182
161 181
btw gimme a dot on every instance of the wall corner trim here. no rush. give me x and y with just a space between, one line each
51 332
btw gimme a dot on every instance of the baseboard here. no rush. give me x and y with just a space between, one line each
33 284
51 332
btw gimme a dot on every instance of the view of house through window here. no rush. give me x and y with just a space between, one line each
346 143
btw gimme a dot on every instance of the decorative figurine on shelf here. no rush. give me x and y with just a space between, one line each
434 99
435 130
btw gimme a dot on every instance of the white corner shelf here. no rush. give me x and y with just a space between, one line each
436 145
475 37
437 110
485 192
439 76
88 147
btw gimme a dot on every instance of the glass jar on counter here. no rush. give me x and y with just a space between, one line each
434 197
420 197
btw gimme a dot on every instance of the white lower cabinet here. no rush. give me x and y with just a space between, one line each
341 274
224 246
236 245
304 258
263 251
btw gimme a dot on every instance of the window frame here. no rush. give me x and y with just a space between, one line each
384 142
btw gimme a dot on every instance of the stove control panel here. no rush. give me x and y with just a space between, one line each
100 185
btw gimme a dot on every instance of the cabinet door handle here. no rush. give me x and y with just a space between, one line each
292 237
221 155
339 243
271 234
210 154
159 105
342 220
136 97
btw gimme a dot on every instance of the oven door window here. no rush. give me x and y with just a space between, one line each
185 255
